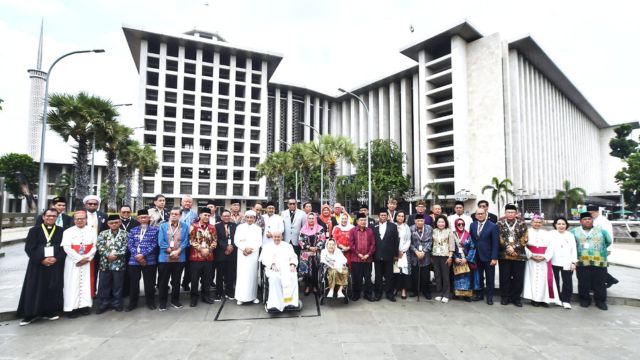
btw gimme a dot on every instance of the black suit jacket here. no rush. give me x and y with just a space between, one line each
387 246
223 241
129 225
67 221
487 242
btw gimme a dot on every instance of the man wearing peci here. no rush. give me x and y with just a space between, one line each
63 220
485 235
387 243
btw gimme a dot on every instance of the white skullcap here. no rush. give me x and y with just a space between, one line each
91 197
250 213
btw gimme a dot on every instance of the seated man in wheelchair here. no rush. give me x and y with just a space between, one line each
280 266
336 266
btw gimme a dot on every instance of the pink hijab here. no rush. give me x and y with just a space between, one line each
306 230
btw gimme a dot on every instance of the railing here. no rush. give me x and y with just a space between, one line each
13 220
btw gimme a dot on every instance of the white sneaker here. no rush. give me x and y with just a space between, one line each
445 300
256 301
239 302
438 298
24 322
566 305
330 293
340 295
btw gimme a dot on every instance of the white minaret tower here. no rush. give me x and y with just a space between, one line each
36 104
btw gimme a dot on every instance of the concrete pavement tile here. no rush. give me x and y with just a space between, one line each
416 352
443 333
484 334
64 347
464 350
514 352
147 328
187 330
223 350
167 349
117 348
585 351
317 350
275 350
369 351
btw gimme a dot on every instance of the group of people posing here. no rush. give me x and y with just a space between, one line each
74 259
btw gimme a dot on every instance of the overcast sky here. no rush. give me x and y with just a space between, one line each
325 44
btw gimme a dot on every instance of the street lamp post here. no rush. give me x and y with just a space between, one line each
286 143
42 186
321 162
369 126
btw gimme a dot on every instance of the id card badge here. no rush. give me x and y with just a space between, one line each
48 251
586 245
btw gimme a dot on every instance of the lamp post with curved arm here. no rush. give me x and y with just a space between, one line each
42 186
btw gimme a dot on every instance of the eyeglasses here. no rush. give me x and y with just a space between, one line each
125 212
92 203
81 218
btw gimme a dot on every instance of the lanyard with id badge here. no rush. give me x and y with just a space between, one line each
48 249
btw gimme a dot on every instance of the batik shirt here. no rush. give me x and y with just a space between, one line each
144 243
516 235
592 246
108 243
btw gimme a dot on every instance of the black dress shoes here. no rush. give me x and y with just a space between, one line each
477 298
391 298
517 303
131 307
534 303
194 302
490 302
602 306
207 300
151 306
101 311
504 302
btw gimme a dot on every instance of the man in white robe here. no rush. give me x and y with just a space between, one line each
79 243
248 240
539 283
272 223
280 262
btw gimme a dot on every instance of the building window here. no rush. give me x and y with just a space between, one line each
238 147
150 109
255 108
205 145
189 84
171 81
172 49
205 130
169 126
255 148
167 171
239 105
170 97
224 74
254 161
238 161
147 173
153 46
255 78
152 95
239 119
253 176
221 189
255 93
223 118
255 134
223 131
205 159
253 190
169 141
207 86
167 187
169 112
205 115
207 71
237 190
188 99
222 145
207 56
221 160
190 68
225 59
204 173
223 104
239 91
168 156
238 134
150 125
190 53
172 65
187 143
203 188
221 174
241 62
148 186
150 140
238 175
256 65
152 78
186 187
186 158
223 89
255 121
188 114
241 76
187 128
186 173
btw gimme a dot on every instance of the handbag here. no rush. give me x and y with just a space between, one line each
461 269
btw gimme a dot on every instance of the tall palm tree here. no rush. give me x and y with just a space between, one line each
128 156
500 191
329 151
570 196
111 137
434 189
76 117
147 161
302 156
275 166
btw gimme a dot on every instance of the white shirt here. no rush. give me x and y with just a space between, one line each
452 221
562 249
382 228
604 224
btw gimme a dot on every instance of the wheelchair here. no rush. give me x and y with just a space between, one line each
265 295
323 286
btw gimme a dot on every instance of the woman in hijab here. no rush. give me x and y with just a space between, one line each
341 236
311 241
325 218
464 282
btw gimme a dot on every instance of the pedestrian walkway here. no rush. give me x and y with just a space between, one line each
13 235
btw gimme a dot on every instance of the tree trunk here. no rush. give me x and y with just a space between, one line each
127 186
566 208
333 179
269 190
112 169
139 200
304 196
82 168
281 192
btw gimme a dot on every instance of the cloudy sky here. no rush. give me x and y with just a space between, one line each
326 44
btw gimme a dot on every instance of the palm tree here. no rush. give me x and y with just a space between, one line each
76 117
330 150
302 157
1 101
147 161
500 191
111 136
570 196
128 156
64 184
275 166
434 189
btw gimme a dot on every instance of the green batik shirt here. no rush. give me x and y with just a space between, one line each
592 246
107 243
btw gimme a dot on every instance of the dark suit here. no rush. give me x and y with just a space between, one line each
101 226
225 265
491 217
427 220
487 247
67 221
386 251
127 225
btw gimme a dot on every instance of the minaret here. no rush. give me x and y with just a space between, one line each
36 103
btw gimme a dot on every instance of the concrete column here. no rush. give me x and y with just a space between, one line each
276 121
290 125
405 124
307 118
316 117
394 113
462 153
359 113
383 112
419 144
420 85
372 104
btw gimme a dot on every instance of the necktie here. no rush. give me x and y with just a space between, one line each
292 215
59 220
480 225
